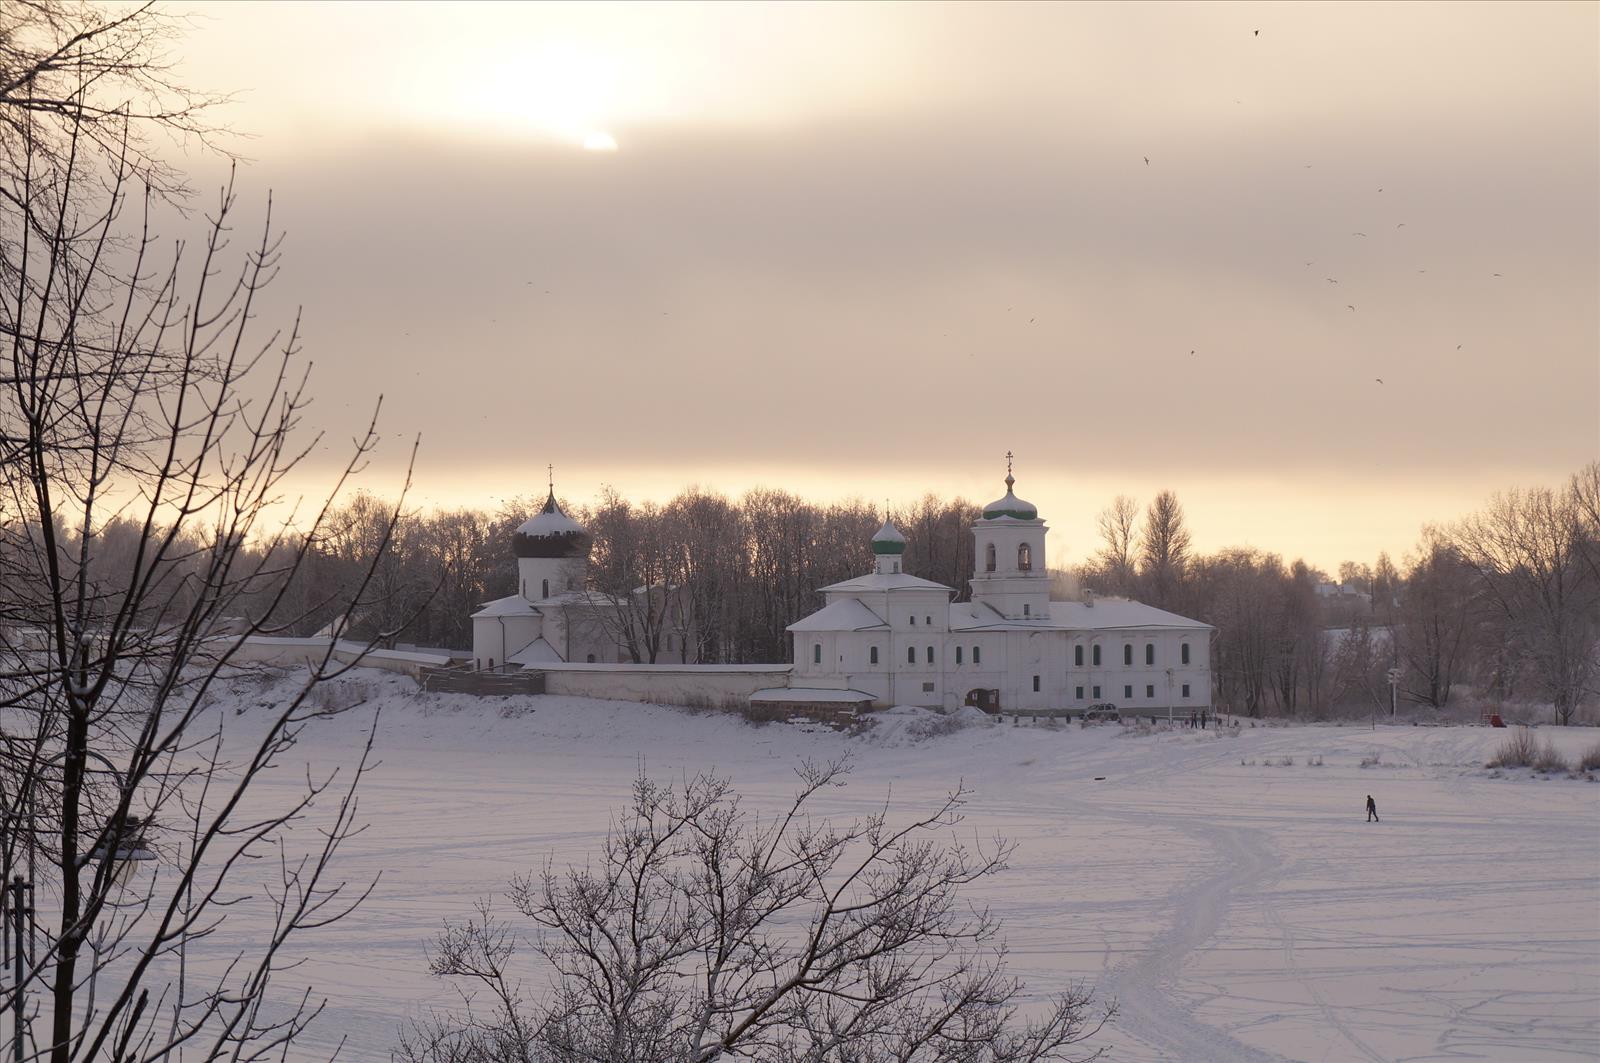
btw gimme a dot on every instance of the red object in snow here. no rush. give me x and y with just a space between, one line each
1495 720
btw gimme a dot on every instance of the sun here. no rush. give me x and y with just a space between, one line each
599 140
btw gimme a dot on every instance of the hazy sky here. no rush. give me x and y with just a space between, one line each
865 250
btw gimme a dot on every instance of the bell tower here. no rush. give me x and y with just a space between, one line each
1008 572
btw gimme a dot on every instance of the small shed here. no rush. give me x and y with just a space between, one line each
837 708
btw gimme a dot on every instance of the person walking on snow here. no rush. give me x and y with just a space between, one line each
1372 810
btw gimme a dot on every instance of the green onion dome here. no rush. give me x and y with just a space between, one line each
888 540
1010 506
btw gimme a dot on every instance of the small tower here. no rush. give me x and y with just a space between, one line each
552 552
1008 570
888 548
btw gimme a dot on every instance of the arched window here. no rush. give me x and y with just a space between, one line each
1027 610
930 654
928 620
1096 658
897 568
1024 558
590 658
913 620
1149 653
977 657
873 655
816 653
1077 656
544 589
958 654
1127 655
1185 653
988 558
911 655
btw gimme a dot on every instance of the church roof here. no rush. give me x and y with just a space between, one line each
1109 614
847 614
512 605
536 652
550 533
888 540
878 581
1010 506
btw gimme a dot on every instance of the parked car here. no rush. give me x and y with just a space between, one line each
1103 711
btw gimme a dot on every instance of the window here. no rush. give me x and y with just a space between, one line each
1079 694
927 688
872 655
1127 654
1097 693
913 621
897 568
590 658
958 654
1097 660
1186 690
930 654
1024 558
988 558
928 620
977 655
1149 690
1185 650
816 653
911 655
1127 692
544 588
1077 656
1036 684
1149 653
1027 610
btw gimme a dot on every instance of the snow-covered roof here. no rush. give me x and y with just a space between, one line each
1010 506
811 694
1110 614
888 540
847 614
536 652
887 581
550 521
512 605
1118 613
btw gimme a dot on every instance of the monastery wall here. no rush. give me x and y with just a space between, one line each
695 685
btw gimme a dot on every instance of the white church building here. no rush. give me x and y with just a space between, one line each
903 640
555 618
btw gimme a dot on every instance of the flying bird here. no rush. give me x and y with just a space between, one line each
1499 274
1402 225
1458 346
1379 379
1349 306
1258 33
1330 280
1030 321
1191 352
1147 160
1358 234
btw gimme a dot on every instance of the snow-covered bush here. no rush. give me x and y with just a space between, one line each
1518 750
1372 761
1590 760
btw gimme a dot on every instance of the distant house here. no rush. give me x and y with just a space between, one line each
900 639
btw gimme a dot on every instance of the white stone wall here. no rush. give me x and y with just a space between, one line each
713 686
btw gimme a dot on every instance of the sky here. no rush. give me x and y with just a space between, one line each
1328 271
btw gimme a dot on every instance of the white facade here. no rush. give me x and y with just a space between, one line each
904 641
553 618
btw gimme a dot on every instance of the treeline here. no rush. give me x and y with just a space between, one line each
1504 603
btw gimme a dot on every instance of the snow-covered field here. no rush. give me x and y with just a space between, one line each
1238 908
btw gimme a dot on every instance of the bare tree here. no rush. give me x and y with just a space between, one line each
1118 524
704 933
1435 617
1528 549
1164 550
146 432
